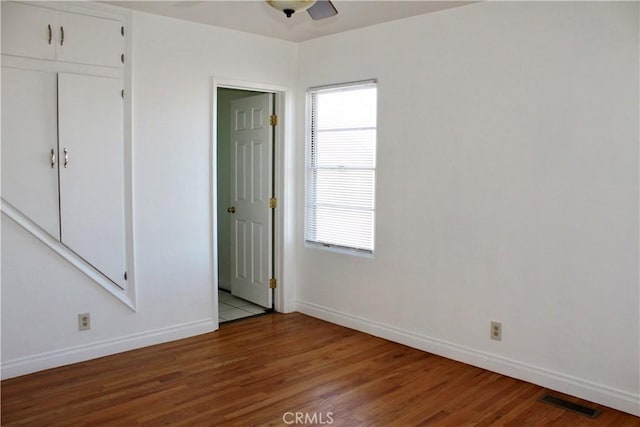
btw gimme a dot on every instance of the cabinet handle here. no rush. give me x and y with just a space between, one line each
61 36
50 33
66 157
53 158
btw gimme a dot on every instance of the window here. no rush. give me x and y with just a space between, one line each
341 166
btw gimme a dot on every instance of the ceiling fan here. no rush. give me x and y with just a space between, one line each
318 9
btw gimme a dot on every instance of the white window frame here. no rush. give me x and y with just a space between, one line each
309 140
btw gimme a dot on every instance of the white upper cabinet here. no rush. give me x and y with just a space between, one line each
89 40
28 31
38 32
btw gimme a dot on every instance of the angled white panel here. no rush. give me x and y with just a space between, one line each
92 183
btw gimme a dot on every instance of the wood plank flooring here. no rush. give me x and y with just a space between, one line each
257 371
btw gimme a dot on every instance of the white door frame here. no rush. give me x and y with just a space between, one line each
283 189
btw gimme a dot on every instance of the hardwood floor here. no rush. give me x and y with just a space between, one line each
257 371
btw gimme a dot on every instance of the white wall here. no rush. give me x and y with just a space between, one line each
174 62
507 189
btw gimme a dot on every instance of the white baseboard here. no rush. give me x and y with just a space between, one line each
290 307
604 395
53 359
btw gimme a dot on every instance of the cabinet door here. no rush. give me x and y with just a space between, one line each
89 40
29 135
92 182
25 31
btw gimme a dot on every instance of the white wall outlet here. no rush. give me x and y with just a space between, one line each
84 322
496 331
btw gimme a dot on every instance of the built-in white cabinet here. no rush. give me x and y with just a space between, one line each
91 171
38 32
63 161
63 143
30 145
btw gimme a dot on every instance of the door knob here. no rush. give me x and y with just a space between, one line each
232 209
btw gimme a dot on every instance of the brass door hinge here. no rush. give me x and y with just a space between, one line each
273 120
273 203
273 283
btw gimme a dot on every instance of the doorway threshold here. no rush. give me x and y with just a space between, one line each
232 308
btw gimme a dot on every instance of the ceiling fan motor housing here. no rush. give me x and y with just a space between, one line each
289 7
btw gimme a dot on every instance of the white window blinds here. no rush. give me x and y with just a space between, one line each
341 166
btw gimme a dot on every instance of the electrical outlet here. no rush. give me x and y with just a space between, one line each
84 322
496 331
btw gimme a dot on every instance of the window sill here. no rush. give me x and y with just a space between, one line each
339 249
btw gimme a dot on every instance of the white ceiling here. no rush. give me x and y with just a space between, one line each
256 16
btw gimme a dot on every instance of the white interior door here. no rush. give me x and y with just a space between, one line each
30 146
251 176
92 171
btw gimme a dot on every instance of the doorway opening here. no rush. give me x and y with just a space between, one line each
245 177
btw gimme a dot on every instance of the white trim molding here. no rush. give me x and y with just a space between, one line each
125 296
604 395
283 186
67 356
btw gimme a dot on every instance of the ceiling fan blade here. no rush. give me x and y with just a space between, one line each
322 9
